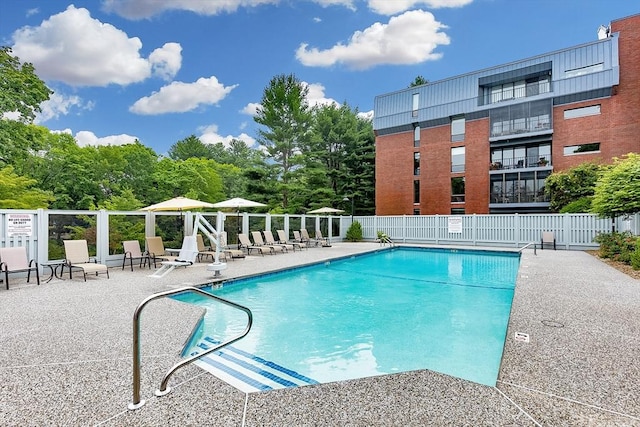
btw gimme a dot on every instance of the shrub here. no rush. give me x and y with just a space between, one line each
635 257
354 232
581 205
617 246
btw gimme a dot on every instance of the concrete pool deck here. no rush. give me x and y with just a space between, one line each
65 356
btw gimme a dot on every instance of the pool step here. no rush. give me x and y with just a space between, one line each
245 371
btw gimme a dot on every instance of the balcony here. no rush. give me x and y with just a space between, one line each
525 118
521 162
520 197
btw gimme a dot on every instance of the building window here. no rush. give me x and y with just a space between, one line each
416 136
584 70
457 129
416 163
415 104
457 159
416 191
519 187
416 211
592 110
457 189
582 148
457 211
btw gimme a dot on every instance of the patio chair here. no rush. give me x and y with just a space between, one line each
14 260
282 238
323 241
156 251
271 241
132 251
549 238
207 251
257 241
76 253
304 238
246 244
228 251
187 256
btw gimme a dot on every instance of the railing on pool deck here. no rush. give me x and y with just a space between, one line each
535 245
137 402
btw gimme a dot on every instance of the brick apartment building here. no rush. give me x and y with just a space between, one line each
485 142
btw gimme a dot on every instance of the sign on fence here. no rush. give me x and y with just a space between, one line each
19 225
455 224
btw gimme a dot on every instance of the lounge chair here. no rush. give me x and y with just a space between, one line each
271 241
14 260
246 244
132 251
282 239
206 251
77 257
304 238
156 251
187 256
322 240
257 241
548 238
229 252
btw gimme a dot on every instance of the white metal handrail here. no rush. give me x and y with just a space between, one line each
137 401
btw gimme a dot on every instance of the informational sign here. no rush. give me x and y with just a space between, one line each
19 225
455 224
522 337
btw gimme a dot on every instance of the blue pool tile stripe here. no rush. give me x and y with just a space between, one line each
238 375
268 363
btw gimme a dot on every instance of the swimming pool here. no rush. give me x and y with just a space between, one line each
392 311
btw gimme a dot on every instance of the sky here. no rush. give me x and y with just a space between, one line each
160 71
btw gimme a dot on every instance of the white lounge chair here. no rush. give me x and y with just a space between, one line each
271 241
282 239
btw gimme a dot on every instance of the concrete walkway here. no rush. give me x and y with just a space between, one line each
65 357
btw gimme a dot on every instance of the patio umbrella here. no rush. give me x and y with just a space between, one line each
178 204
238 203
325 210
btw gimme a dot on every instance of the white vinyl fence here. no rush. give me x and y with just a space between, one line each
42 231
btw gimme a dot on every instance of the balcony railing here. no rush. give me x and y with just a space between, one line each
521 162
520 197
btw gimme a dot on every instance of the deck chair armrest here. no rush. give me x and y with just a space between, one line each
3 266
33 263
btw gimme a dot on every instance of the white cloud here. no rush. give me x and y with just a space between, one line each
60 104
76 49
84 138
210 136
180 97
140 9
410 38
366 115
349 4
391 7
33 11
166 60
315 96
251 108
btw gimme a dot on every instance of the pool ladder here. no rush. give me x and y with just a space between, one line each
137 401
535 245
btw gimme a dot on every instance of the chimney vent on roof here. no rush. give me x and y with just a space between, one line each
603 32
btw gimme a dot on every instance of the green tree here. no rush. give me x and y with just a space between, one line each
21 90
17 192
189 147
572 184
617 192
418 81
193 178
286 118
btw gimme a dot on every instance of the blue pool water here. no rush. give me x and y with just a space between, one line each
393 311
